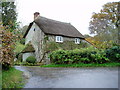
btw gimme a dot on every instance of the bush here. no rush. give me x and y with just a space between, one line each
113 53
31 59
7 39
6 66
22 41
86 55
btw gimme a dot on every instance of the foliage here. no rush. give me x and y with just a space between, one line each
12 78
108 17
18 49
89 55
67 45
105 23
70 45
31 59
96 41
7 46
9 15
113 53
24 29
51 46
8 33
22 41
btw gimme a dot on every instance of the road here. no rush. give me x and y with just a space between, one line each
100 77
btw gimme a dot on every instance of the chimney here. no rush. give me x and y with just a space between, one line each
36 14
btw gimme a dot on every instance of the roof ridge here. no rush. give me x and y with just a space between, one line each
52 20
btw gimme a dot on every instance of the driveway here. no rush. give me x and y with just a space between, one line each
99 77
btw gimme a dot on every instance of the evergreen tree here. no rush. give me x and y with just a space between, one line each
9 15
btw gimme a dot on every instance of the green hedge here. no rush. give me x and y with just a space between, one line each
31 59
86 55
113 53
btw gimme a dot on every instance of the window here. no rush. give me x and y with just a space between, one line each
77 41
59 39
34 29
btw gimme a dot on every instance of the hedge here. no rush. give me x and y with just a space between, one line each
31 59
84 55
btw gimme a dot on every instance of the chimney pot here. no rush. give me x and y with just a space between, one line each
36 14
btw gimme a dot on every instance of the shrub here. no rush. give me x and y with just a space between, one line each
113 53
6 66
7 39
58 57
31 59
51 46
86 55
100 58
22 41
85 60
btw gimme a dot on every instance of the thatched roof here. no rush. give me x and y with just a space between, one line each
52 27
28 48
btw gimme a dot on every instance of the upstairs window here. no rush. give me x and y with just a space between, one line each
77 41
34 29
59 39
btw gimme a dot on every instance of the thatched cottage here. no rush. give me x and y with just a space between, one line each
55 31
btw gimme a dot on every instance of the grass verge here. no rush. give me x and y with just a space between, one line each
12 78
115 64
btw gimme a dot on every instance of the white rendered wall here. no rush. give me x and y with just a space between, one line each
26 55
30 34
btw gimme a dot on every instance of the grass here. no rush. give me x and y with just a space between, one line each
115 64
12 78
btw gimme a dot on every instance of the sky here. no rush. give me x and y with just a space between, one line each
76 12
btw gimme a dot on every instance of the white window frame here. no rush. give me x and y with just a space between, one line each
59 39
77 41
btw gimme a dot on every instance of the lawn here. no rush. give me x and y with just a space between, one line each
12 78
115 64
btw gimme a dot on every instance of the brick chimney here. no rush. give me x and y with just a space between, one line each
36 14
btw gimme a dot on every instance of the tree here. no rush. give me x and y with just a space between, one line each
86 36
96 42
8 33
105 23
24 29
6 51
9 15
0 12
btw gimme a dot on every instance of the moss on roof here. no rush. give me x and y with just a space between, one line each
28 48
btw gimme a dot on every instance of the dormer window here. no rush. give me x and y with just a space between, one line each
77 41
59 39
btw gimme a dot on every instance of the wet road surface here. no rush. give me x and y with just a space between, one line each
70 77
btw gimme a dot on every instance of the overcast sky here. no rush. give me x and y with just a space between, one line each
76 12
